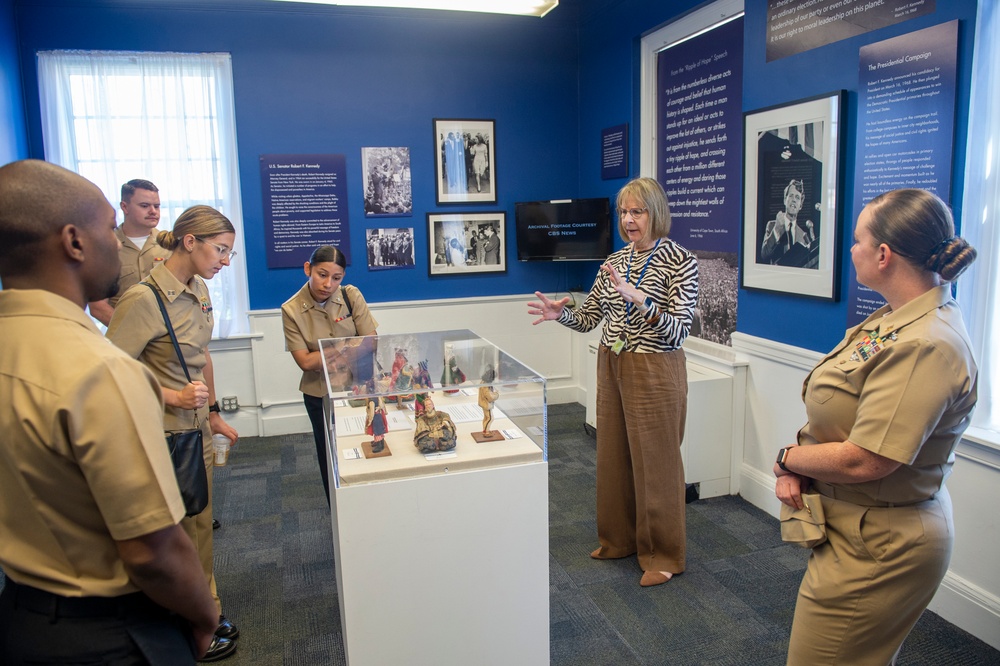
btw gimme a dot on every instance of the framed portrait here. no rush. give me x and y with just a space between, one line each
465 243
465 161
792 197
389 248
387 181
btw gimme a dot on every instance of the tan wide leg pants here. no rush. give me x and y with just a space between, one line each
199 528
641 409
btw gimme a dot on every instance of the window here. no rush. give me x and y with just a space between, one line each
112 116
979 289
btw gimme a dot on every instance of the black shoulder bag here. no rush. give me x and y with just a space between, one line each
186 446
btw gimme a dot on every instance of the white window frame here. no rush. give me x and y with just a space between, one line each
979 288
169 118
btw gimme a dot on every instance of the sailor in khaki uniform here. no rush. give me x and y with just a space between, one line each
139 251
886 409
95 561
322 308
137 327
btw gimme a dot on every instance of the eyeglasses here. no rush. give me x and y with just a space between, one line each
221 249
634 212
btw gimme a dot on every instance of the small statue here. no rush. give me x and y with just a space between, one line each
435 430
487 396
451 374
402 378
376 423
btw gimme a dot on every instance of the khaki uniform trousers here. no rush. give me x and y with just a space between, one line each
866 587
641 411
199 528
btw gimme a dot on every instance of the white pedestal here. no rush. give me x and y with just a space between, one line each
445 569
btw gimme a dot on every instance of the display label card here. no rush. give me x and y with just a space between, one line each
353 454
438 455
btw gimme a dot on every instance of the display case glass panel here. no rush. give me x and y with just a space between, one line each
413 405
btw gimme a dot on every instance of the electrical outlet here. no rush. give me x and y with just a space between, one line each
229 403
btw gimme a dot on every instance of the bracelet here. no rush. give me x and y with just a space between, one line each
214 407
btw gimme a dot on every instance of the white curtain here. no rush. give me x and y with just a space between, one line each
978 290
112 116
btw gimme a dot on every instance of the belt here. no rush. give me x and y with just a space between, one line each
860 499
55 605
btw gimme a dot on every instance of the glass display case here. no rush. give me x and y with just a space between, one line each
423 404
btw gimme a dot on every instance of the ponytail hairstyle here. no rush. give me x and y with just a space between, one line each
199 221
918 226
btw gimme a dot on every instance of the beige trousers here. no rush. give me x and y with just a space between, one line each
865 588
641 409
199 528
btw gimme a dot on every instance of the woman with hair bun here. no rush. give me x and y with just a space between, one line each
322 308
886 409
201 243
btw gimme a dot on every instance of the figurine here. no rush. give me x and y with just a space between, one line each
402 377
487 396
435 430
376 423
451 374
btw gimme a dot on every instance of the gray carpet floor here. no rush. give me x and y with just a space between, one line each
733 605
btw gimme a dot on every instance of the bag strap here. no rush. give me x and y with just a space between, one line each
347 301
170 330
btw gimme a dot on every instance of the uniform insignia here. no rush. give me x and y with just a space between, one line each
870 345
205 306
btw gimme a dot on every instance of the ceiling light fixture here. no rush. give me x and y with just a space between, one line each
521 7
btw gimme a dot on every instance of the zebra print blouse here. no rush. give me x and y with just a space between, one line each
670 281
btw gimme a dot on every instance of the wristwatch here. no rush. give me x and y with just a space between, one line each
214 407
647 305
782 455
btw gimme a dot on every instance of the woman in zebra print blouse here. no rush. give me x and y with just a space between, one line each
646 294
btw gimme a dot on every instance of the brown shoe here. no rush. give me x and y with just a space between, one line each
651 578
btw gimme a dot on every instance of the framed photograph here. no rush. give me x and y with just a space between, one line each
389 248
464 243
387 181
465 161
792 192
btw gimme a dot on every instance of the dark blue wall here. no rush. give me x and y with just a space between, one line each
13 137
332 80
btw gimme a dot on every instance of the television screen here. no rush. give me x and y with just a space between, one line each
563 230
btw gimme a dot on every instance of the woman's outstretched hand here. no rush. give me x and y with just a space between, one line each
547 308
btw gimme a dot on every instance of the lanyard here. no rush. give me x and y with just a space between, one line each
642 273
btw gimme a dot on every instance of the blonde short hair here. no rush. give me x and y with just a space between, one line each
651 196
199 221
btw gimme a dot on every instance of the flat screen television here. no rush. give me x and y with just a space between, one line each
563 230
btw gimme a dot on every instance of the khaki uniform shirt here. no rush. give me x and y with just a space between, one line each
137 327
136 262
83 462
306 322
910 401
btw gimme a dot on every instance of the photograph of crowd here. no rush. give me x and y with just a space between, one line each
466 243
387 181
718 282
465 161
390 248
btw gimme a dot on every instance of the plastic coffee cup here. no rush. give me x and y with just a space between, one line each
220 445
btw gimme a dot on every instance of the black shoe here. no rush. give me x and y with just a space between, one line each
216 524
219 649
227 629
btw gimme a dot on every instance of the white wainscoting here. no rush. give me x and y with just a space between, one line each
969 597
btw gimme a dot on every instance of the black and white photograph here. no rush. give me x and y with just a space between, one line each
390 248
718 285
462 243
792 193
465 161
388 190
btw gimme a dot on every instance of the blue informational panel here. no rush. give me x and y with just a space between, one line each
906 127
305 206
699 161
614 152
699 117
794 26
